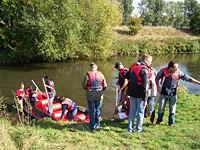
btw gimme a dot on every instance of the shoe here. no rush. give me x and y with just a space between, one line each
140 131
130 130
158 122
172 125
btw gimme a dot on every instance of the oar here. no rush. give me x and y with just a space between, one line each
154 111
36 86
116 97
45 88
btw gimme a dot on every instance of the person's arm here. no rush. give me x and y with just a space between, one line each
104 82
188 78
123 86
84 82
145 77
64 107
158 77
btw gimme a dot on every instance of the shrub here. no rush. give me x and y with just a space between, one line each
134 24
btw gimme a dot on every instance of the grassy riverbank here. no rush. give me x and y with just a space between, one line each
48 134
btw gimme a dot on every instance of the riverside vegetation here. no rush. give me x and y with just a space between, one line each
49 134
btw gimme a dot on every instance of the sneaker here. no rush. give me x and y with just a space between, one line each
172 125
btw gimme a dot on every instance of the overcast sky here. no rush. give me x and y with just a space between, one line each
135 4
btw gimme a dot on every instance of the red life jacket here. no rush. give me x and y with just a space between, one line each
95 81
134 73
50 89
70 104
19 92
174 76
120 73
27 92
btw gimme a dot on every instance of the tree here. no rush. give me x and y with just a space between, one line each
195 20
127 9
152 11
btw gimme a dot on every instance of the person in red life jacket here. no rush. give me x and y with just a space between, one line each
31 94
172 75
152 92
94 83
20 94
122 82
137 89
123 108
51 92
69 106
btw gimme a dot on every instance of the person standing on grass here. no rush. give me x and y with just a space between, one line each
51 92
172 75
122 82
137 89
94 83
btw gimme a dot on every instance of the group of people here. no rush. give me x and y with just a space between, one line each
139 86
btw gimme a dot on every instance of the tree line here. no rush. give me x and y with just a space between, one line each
49 30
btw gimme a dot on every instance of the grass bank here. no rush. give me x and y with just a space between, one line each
155 40
48 134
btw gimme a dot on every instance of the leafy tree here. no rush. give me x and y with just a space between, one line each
195 20
152 11
127 9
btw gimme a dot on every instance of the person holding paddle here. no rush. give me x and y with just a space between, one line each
122 82
172 75
51 92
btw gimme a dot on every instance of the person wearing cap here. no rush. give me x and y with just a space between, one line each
94 83
138 75
51 92
122 82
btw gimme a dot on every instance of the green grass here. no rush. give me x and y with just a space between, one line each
49 134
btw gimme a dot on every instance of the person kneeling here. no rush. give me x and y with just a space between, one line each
122 109
70 106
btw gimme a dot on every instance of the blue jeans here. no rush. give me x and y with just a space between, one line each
94 107
50 102
172 108
71 114
136 105
151 101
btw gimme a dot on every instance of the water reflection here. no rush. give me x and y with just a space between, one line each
68 76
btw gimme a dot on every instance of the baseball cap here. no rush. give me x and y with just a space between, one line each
118 64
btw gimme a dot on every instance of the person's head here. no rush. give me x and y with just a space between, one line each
173 66
21 85
119 66
46 77
93 66
147 59
29 86
62 98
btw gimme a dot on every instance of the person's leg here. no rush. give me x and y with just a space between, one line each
152 99
122 96
91 105
132 112
98 105
162 103
172 109
50 105
140 114
71 114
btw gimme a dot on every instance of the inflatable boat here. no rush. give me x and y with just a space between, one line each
39 109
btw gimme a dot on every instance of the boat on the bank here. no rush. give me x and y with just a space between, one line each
40 109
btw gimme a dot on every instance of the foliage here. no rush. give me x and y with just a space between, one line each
195 20
127 10
134 24
50 30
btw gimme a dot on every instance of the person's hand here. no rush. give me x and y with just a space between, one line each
145 103
117 83
119 91
159 89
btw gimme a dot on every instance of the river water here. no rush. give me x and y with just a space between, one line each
68 76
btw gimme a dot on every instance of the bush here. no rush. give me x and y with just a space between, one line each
134 24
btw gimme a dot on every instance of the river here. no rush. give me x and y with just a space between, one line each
69 75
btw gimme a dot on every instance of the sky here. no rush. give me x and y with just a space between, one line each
135 4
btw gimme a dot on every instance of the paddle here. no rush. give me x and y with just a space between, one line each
116 97
154 111
37 88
